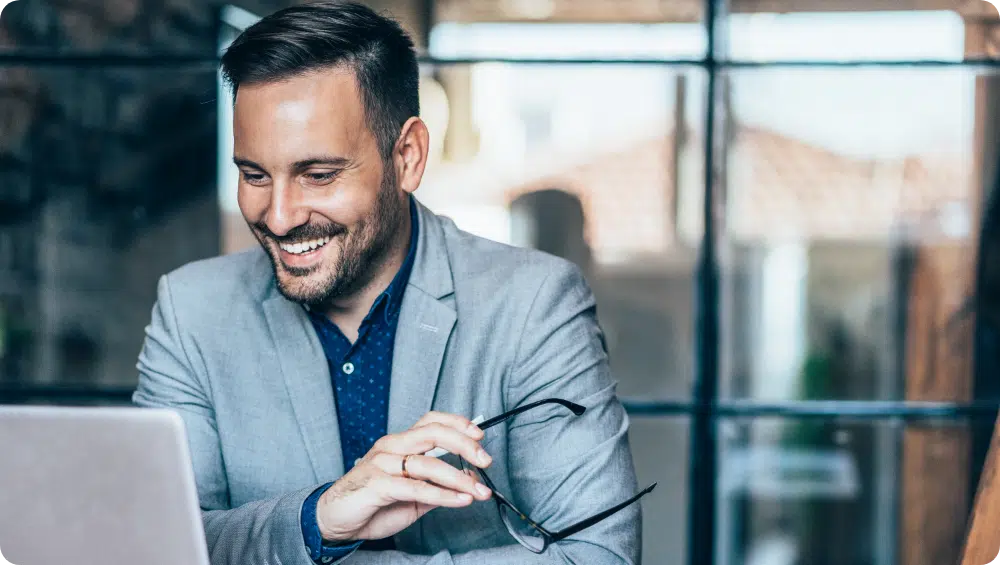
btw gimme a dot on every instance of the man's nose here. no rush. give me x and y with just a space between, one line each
287 210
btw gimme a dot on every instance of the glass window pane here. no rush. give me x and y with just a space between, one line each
852 221
837 492
604 41
660 448
579 161
107 181
773 31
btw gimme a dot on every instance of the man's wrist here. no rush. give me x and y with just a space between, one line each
330 538
320 551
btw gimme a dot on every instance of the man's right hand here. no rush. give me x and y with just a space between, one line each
374 500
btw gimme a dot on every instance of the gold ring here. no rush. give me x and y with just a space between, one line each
405 474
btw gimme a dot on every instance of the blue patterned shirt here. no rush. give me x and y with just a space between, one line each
361 373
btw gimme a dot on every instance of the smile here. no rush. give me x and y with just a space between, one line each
304 247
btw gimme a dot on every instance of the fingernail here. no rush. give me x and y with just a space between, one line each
473 430
482 490
484 457
464 497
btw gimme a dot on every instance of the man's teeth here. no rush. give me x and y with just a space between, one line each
304 246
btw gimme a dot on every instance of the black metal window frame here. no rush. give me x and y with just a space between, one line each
705 409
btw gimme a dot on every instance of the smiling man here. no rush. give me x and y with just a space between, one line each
327 379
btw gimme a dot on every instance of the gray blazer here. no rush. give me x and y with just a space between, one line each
483 328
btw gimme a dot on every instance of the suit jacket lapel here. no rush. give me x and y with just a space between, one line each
426 321
425 326
307 378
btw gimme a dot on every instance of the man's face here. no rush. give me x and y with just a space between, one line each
313 188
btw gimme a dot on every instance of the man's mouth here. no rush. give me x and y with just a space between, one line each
303 247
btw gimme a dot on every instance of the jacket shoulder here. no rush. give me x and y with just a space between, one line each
476 258
223 280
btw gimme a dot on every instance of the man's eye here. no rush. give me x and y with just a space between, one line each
321 177
254 178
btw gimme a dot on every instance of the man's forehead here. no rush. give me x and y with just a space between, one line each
318 93
282 123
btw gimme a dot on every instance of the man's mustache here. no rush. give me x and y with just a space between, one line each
304 232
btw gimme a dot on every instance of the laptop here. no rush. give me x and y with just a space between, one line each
97 486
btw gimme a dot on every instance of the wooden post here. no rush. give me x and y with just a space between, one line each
940 350
935 469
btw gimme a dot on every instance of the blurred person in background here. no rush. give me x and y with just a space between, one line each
315 372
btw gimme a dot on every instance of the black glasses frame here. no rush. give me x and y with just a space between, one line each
548 537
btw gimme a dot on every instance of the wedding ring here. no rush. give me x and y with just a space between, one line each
405 474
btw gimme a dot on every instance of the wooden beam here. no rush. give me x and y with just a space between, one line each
966 8
941 490
782 6
563 11
935 467
982 542
679 11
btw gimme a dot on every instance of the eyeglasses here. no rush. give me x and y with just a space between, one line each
526 531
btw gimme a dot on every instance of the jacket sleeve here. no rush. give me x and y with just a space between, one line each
265 531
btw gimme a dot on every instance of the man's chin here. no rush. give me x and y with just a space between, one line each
301 290
298 284
292 273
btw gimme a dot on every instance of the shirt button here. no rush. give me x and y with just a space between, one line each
326 559
348 368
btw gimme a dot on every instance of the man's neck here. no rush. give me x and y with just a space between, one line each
349 311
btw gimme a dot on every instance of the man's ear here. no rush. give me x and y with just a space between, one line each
410 154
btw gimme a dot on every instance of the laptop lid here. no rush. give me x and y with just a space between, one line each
97 486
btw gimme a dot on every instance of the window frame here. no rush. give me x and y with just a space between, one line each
705 410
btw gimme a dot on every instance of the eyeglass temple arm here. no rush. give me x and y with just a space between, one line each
563 534
575 408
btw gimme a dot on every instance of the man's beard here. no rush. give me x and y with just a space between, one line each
362 249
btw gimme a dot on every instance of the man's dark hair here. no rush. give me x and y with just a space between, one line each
320 35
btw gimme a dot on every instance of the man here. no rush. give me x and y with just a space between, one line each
315 374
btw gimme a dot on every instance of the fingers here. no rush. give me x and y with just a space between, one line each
398 489
435 471
460 423
429 436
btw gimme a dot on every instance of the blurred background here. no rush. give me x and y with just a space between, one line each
786 210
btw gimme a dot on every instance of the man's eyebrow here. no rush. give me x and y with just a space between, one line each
241 162
325 160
